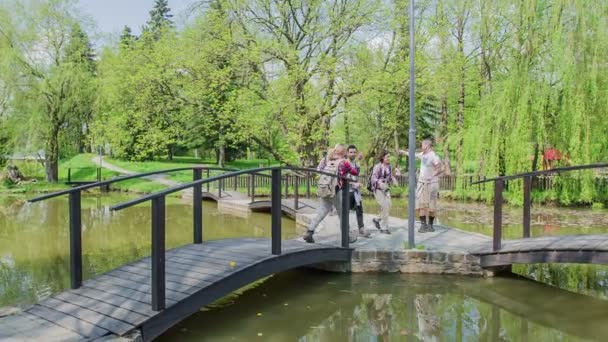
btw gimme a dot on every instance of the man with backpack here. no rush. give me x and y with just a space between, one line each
329 188
356 202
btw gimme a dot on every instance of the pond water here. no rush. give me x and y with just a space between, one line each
34 249
305 305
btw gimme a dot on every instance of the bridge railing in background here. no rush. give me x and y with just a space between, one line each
75 222
158 219
528 177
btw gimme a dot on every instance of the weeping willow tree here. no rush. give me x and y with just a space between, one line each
548 88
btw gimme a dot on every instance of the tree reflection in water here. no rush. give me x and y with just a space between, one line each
358 308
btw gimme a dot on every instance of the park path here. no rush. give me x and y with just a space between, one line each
161 179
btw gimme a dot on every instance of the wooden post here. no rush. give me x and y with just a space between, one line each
158 253
197 197
208 183
497 239
527 203
75 240
296 194
275 211
307 185
252 177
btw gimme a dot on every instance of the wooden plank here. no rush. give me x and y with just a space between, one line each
199 263
124 292
175 268
218 256
243 251
182 278
69 322
145 280
27 327
209 260
170 294
187 270
114 299
110 310
87 315
223 255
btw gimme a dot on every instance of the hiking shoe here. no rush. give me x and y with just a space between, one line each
377 223
352 237
385 231
431 229
308 237
423 228
364 233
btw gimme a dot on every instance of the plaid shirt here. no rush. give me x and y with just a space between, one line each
344 169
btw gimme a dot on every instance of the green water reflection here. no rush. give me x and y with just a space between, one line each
311 306
545 221
34 250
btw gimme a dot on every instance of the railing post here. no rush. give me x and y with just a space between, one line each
307 185
498 188
219 188
275 211
252 178
527 203
235 184
344 210
208 183
158 253
286 186
296 193
75 240
249 185
69 174
197 197
99 174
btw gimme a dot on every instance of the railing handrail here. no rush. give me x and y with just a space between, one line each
123 178
541 172
185 186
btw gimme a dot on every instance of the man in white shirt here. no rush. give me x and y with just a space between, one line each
427 189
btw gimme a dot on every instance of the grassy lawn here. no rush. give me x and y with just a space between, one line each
82 168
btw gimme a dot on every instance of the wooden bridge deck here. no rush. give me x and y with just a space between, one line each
119 301
588 249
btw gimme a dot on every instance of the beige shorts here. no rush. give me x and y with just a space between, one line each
427 195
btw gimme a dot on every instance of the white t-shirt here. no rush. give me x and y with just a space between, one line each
427 166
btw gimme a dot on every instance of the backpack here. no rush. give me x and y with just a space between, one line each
326 186
369 178
369 181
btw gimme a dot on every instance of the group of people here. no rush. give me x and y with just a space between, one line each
342 163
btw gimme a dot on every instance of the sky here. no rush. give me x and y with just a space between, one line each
110 16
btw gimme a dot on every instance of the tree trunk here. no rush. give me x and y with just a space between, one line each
170 152
460 117
52 156
221 156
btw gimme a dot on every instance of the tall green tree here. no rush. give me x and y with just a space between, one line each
35 36
160 18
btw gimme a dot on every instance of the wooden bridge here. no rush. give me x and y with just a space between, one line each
155 293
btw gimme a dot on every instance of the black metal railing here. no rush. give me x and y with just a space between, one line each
158 220
75 223
499 186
